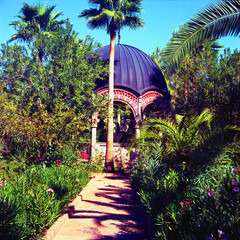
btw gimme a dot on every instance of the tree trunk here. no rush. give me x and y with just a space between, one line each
40 57
109 147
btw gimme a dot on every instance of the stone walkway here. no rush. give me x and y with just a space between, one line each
106 209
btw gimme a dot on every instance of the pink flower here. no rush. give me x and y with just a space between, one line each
182 204
58 162
5 152
109 168
209 192
49 190
84 155
212 237
220 233
188 203
236 189
2 183
38 159
234 183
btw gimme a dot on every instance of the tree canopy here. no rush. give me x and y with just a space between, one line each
46 106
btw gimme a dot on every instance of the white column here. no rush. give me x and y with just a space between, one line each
138 118
137 127
94 122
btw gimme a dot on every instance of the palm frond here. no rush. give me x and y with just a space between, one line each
200 127
35 20
95 18
215 21
24 33
124 13
102 2
167 127
86 13
28 12
133 22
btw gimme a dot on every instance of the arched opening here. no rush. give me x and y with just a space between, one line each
154 110
124 129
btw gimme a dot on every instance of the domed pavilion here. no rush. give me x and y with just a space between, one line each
138 82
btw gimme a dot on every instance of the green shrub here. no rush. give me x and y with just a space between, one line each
42 195
67 153
186 206
217 169
9 208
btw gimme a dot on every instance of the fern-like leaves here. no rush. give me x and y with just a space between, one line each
215 21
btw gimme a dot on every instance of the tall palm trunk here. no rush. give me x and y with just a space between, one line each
40 57
109 147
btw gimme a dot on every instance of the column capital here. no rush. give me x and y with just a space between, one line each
137 122
95 120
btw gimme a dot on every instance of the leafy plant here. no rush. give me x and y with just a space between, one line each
215 21
178 140
9 208
184 204
33 200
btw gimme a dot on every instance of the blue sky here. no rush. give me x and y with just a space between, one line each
161 18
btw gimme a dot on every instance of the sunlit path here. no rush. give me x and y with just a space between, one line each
106 209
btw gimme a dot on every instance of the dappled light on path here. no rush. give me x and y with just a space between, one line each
106 209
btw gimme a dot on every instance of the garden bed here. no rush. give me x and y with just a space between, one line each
32 201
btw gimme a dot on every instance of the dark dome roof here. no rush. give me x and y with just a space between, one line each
134 70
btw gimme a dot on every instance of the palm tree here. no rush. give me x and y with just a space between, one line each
178 139
215 21
112 15
36 21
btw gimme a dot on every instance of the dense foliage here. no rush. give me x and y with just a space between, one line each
188 175
206 79
46 100
191 192
33 200
181 208
45 107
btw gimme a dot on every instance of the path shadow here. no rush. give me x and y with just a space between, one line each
132 225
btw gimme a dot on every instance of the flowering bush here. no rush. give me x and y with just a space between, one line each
180 207
33 200
84 155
